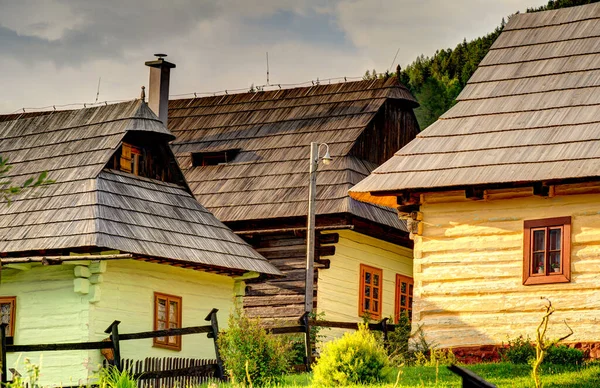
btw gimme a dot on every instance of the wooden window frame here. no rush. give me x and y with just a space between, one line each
530 277
13 309
156 342
361 300
410 285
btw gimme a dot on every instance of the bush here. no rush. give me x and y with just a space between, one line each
564 355
356 358
398 349
519 351
250 355
111 377
435 357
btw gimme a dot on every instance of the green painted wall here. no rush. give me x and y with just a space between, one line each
127 295
48 311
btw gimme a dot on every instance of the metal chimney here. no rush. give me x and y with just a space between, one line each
158 93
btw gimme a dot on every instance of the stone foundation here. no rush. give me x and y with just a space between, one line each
491 353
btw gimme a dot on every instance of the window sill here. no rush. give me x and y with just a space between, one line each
169 347
549 279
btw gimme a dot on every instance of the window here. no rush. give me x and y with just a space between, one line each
7 313
213 158
167 315
547 251
370 292
404 296
131 159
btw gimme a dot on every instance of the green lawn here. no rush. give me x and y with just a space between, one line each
501 374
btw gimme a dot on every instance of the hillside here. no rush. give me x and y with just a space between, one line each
437 80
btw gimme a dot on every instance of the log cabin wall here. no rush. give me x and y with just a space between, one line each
283 298
394 126
469 267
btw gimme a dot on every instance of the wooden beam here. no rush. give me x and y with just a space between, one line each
299 229
62 259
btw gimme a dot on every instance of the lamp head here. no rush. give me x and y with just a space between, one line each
327 158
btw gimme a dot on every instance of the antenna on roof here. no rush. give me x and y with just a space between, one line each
98 90
395 56
267 68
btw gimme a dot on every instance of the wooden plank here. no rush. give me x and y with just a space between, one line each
165 333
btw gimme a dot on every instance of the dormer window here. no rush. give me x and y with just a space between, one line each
131 159
213 158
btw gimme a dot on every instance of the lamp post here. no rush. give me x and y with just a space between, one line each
310 229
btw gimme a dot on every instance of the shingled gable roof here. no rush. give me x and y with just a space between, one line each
272 131
531 112
91 206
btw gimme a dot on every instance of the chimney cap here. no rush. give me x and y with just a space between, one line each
160 62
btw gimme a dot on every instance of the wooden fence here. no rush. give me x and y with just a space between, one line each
153 370
171 372
304 325
212 331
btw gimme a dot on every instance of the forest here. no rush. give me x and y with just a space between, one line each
436 81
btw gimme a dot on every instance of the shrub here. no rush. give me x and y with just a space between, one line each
356 358
564 355
250 355
111 377
519 351
398 349
435 357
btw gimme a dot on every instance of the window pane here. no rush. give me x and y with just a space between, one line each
538 263
367 277
539 240
367 304
376 293
5 312
162 310
375 280
403 288
555 261
555 239
410 289
173 312
368 291
375 306
403 300
410 302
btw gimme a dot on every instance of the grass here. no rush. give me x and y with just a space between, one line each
501 374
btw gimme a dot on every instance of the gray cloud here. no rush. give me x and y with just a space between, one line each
54 51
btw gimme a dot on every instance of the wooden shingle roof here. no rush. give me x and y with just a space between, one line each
90 206
531 112
272 131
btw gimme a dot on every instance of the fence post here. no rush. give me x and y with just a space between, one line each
3 351
214 334
113 330
384 328
304 321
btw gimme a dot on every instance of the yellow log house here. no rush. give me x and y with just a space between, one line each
501 193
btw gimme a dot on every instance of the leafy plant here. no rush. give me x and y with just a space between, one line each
355 358
111 377
252 356
564 355
518 351
8 190
31 379
435 357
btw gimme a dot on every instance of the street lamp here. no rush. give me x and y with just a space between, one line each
310 230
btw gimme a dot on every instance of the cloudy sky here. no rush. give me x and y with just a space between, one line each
53 52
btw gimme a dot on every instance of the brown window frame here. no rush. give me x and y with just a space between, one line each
362 288
410 285
163 342
548 276
12 300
